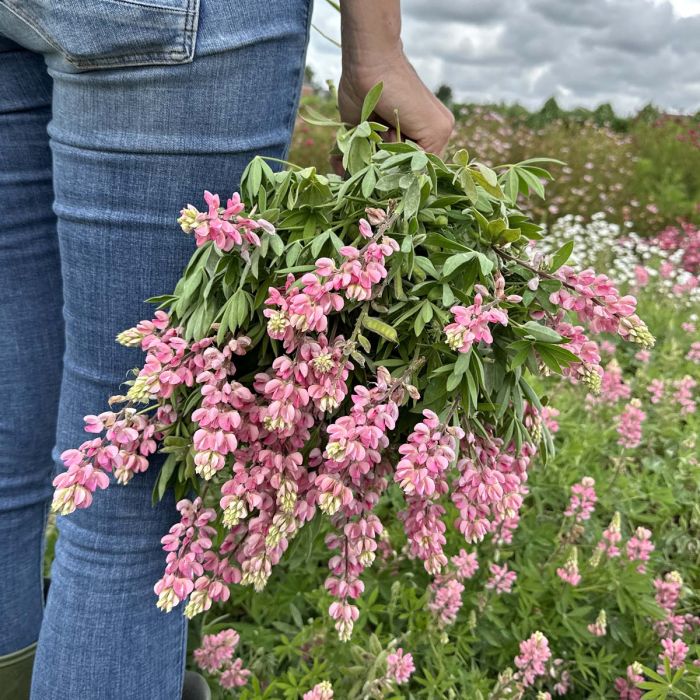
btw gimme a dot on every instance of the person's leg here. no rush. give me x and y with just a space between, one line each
31 348
131 146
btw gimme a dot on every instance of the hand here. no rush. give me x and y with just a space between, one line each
422 117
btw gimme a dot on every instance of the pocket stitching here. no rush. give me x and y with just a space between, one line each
142 59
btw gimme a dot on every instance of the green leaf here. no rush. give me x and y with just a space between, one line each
456 261
411 201
541 333
380 328
370 101
512 185
561 256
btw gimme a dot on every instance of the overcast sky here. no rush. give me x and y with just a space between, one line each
584 52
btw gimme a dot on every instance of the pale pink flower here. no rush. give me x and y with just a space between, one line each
400 666
599 628
639 547
501 580
471 324
674 651
627 687
583 500
629 424
321 691
534 654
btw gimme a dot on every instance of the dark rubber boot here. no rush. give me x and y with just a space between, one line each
16 674
195 687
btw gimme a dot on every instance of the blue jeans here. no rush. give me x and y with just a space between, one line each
114 114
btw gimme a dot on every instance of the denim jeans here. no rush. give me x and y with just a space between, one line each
114 114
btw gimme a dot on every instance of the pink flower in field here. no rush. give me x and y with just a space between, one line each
583 500
400 666
629 424
446 599
235 676
684 394
216 657
345 615
502 579
667 269
321 691
688 327
643 356
694 353
534 654
639 547
641 275
611 538
599 628
471 324
607 347
627 687
466 564
668 590
569 572
549 418
656 389
215 649
674 651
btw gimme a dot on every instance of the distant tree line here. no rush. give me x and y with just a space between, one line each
603 115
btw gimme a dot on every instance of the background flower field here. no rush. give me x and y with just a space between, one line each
596 591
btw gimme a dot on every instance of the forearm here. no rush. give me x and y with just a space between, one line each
370 30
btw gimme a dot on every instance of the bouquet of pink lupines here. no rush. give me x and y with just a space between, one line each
341 338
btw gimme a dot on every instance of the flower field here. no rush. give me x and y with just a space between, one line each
595 594
605 562
433 435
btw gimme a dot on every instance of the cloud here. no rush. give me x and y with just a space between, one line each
627 52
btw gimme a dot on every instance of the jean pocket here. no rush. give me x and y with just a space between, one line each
93 34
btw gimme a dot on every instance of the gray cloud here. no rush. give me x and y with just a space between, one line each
627 52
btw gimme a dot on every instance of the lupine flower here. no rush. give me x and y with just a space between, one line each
611 538
534 654
684 394
599 628
639 547
471 324
400 666
569 572
216 657
224 226
629 424
674 651
445 599
694 353
466 564
583 500
321 691
627 687
426 457
656 389
491 485
501 579
596 301
588 370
